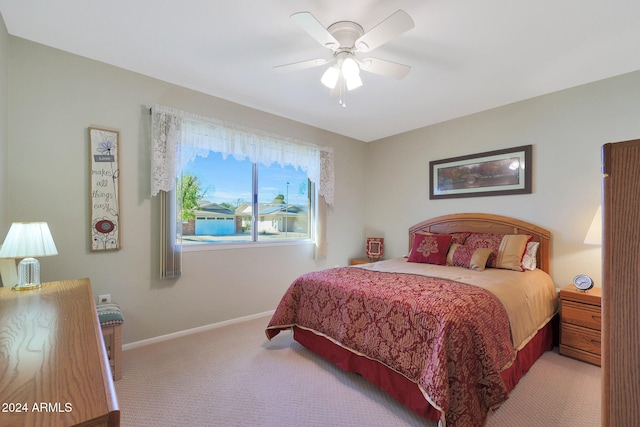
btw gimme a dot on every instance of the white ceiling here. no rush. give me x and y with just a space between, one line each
466 55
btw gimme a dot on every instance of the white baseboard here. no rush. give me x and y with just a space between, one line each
171 336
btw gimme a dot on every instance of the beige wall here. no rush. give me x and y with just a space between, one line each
7 268
4 70
53 97
566 129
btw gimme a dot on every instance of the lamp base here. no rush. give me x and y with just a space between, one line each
27 286
28 275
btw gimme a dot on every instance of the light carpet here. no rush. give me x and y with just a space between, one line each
234 376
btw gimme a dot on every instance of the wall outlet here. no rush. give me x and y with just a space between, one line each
104 298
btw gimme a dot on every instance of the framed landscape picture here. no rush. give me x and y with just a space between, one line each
493 173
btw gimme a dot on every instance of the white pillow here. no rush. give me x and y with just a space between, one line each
529 258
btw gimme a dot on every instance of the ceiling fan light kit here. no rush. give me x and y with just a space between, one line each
345 39
330 77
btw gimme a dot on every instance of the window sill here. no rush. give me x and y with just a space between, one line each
248 245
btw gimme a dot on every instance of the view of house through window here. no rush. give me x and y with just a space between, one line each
219 198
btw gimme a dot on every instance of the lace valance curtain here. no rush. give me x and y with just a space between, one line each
177 137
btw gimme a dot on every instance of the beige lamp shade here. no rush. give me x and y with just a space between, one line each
594 235
28 239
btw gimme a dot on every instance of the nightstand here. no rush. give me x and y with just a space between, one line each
581 324
357 261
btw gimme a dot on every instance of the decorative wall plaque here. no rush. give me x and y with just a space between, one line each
104 190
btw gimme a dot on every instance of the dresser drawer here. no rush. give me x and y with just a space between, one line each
581 338
585 315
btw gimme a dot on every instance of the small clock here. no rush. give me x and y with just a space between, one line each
583 282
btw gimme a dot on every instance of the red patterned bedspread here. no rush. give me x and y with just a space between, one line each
451 339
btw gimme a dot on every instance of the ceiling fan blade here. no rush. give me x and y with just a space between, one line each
396 24
315 29
384 68
295 66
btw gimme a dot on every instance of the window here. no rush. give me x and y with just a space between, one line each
178 138
224 193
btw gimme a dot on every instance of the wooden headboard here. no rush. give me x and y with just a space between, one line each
488 223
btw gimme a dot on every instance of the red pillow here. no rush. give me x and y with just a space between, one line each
458 237
486 240
430 249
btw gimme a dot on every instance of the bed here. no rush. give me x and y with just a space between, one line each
415 327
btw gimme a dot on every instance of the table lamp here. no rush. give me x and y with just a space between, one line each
594 234
28 240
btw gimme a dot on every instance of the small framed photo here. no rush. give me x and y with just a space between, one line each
493 173
375 246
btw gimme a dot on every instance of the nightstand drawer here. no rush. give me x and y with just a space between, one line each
582 315
581 338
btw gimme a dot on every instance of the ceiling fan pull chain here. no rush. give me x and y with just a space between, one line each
343 93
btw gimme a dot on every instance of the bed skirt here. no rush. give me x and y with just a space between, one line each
402 389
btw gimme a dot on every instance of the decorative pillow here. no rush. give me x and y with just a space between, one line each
109 314
508 249
529 259
464 256
458 238
430 248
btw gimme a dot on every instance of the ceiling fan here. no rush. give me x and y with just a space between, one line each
345 39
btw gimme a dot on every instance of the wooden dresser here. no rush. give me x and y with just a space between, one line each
53 364
621 284
581 324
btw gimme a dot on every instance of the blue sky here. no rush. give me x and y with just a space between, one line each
229 180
